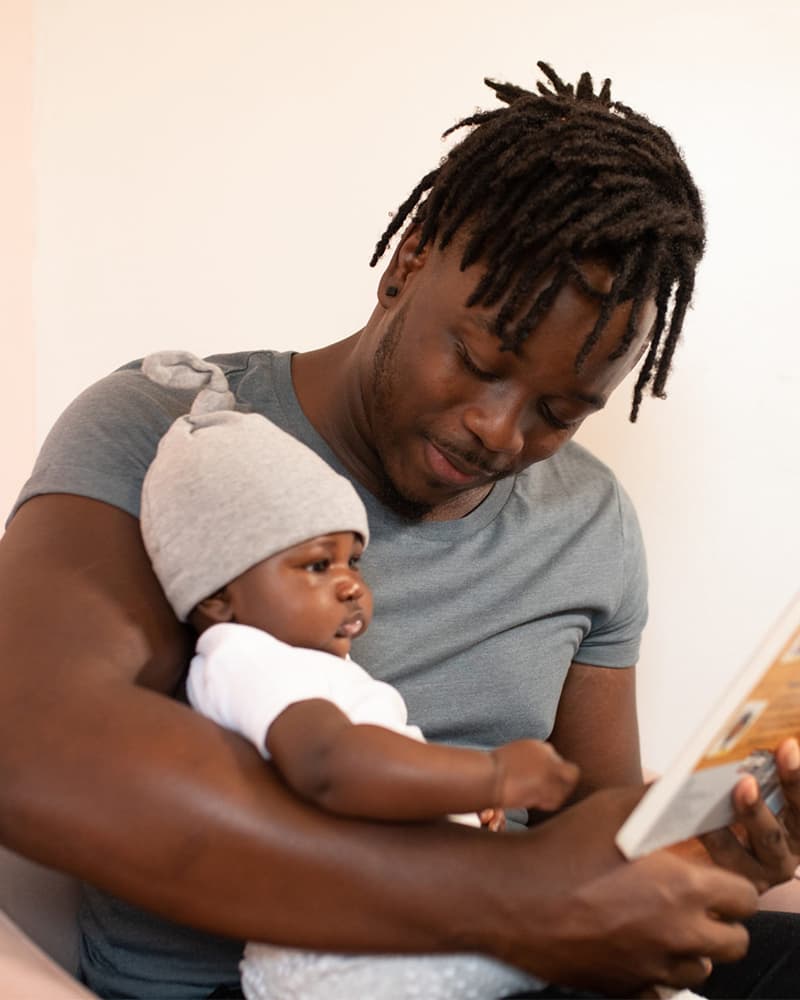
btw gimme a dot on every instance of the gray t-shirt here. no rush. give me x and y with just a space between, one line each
476 620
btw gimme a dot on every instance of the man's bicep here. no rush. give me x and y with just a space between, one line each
596 726
78 596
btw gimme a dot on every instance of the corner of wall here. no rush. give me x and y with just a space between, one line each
16 246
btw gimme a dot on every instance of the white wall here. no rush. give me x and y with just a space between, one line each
16 246
214 175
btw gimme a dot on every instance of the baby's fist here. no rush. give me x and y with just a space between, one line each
531 774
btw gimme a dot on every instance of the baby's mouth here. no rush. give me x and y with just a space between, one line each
351 627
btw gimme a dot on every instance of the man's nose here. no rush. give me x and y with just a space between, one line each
497 425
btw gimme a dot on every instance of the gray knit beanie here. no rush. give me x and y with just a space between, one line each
227 490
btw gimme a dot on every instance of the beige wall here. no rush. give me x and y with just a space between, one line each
214 175
16 246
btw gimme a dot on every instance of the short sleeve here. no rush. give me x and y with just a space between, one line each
614 638
103 443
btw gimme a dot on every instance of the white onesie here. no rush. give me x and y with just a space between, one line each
243 679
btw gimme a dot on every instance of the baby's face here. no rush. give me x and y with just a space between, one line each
310 595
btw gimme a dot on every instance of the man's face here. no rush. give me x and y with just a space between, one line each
310 595
452 413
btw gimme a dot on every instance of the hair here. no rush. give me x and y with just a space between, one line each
555 178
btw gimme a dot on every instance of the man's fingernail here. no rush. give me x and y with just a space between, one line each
750 791
792 755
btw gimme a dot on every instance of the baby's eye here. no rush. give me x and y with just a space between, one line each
354 562
318 567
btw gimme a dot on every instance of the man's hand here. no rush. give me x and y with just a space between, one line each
625 926
761 846
531 774
493 820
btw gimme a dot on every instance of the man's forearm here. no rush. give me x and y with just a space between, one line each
187 820
103 775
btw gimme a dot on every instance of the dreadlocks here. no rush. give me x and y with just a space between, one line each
555 178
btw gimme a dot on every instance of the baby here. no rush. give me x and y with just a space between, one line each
256 542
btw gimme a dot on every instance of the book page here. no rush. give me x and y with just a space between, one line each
770 714
694 796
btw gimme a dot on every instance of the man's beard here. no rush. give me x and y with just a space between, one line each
384 393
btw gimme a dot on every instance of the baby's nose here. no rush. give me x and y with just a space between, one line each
349 588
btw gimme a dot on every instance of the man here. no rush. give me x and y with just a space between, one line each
537 266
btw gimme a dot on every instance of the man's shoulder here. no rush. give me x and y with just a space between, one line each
103 443
573 469
572 487
236 365
253 377
137 407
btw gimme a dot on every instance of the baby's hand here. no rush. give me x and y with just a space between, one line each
493 820
531 774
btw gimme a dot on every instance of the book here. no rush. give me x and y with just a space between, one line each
759 710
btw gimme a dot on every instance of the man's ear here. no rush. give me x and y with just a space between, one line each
213 610
405 262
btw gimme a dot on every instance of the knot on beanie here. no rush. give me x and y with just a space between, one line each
183 370
227 490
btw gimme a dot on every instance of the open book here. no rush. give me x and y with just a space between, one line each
761 708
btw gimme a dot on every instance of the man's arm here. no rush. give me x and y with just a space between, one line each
371 771
596 726
105 777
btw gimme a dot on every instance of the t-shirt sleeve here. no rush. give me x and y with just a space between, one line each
243 679
614 638
102 444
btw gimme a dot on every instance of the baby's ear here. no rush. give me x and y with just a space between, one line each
213 610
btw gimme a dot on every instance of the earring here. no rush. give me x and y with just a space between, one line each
392 291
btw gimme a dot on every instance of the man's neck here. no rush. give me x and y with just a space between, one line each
328 386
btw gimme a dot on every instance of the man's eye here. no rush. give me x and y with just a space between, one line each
552 419
319 566
472 368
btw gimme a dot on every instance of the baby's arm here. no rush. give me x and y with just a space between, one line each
370 771
298 706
